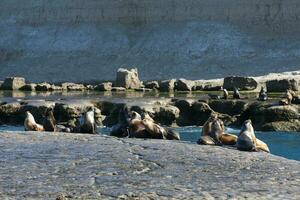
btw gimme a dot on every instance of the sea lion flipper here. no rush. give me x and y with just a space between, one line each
206 140
228 139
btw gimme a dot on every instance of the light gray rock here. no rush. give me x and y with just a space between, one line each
118 89
73 87
47 87
106 86
76 166
128 79
242 83
13 83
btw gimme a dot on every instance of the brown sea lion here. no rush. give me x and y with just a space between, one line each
247 140
30 123
155 131
49 122
207 125
213 133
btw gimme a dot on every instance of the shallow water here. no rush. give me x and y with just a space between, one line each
283 144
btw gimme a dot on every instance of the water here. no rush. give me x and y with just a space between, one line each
283 144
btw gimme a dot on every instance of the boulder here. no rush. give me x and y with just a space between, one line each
46 87
113 116
37 108
128 79
242 83
262 113
166 115
208 85
152 85
167 85
73 87
65 111
11 113
184 85
185 117
29 87
200 112
281 85
106 86
13 83
230 107
289 126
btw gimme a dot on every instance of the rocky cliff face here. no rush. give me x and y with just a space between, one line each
88 40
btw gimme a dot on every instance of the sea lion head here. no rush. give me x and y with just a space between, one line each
135 115
146 115
30 117
247 126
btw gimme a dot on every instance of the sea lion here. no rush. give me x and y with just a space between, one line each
49 122
171 134
262 94
207 125
247 140
213 133
154 130
121 129
30 123
89 125
236 93
287 99
225 94
146 115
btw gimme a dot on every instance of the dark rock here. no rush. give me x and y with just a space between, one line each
200 112
29 87
262 113
152 85
128 79
47 87
107 86
184 85
282 85
242 83
113 116
166 115
167 85
11 113
66 111
37 108
13 83
289 126
230 107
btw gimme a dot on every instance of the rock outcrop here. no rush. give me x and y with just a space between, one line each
242 83
128 79
13 83
76 166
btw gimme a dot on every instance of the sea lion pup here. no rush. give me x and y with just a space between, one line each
247 140
49 122
225 94
236 93
89 125
30 124
121 129
262 94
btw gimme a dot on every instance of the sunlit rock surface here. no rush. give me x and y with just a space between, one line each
48 165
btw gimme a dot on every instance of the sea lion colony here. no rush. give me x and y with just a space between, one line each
134 125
